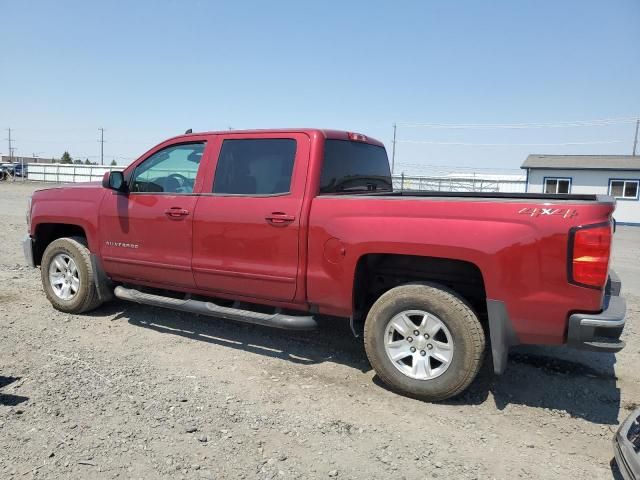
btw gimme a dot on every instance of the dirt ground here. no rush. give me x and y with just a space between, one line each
138 392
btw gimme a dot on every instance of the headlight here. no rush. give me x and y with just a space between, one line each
29 213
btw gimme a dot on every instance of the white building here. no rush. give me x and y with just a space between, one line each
615 175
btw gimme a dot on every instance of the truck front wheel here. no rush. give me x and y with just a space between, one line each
67 276
424 341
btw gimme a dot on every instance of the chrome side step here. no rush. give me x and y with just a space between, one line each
276 320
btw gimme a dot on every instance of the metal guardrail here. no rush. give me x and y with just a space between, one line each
67 173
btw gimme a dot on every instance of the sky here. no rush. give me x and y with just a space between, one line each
148 70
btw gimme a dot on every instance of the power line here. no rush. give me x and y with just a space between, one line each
464 144
461 167
579 123
57 141
83 155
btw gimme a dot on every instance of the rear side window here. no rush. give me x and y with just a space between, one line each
256 166
351 167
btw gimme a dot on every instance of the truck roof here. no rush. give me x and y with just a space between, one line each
326 133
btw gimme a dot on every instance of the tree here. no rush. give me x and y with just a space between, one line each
113 163
87 162
66 158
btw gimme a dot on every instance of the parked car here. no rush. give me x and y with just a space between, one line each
626 446
278 227
20 170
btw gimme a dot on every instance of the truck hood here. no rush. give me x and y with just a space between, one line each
91 192
72 186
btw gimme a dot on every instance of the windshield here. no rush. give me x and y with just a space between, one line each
350 167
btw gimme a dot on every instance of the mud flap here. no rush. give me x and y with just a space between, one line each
501 334
103 283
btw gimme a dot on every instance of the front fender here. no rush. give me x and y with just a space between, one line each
72 206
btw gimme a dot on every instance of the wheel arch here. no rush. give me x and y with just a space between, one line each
376 273
45 233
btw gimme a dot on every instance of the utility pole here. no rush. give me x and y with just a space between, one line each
393 149
635 140
10 147
101 146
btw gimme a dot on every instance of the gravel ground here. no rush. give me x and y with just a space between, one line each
139 392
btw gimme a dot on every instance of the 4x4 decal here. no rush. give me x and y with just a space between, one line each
538 211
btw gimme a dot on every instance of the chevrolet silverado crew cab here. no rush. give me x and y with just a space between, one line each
278 227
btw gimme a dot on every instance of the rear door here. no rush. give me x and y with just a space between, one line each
246 229
146 234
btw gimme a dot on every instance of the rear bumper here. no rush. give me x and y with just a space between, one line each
27 247
600 331
626 447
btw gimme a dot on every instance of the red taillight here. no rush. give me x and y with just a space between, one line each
357 137
589 251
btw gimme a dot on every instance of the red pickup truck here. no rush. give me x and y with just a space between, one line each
278 227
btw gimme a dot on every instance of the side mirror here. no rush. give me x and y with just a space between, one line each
114 181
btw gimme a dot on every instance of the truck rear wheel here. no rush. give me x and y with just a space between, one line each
424 341
67 276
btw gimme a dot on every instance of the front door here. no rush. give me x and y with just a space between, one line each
146 234
247 228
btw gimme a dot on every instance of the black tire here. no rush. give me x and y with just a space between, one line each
465 329
86 298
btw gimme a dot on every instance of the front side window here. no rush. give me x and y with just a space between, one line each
624 189
351 167
557 185
171 170
255 166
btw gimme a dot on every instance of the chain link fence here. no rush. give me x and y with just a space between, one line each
460 183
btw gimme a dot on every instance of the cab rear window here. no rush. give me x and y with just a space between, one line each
352 167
